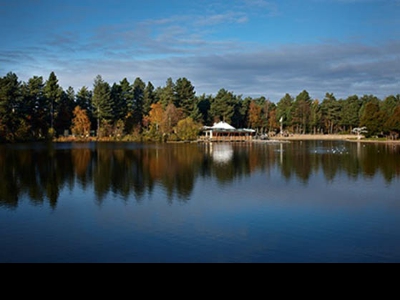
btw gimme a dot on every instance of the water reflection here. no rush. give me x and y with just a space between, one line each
39 172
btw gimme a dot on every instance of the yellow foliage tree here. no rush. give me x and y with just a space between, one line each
187 129
156 116
80 122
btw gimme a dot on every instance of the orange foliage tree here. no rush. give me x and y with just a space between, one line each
80 122
255 120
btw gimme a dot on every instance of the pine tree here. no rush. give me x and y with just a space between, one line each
34 106
167 93
222 106
101 101
65 108
138 88
301 111
52 92
185 95
284 109
10 99
148 98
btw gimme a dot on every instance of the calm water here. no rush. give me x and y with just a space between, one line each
292 202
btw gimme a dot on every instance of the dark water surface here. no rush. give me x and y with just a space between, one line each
308 201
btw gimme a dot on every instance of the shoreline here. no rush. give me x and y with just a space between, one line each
276 139
333 137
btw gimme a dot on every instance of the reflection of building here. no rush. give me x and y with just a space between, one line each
221 153
223 132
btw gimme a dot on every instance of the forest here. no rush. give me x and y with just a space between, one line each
40 109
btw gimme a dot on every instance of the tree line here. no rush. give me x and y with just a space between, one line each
40 109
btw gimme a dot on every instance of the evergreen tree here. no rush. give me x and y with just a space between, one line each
12 125
63 119
222 106
52 92
371 118
350 116
284 110
364 100
331 111
34 106
138 88
101 101
389 104
148 98
315 117
83 99
116 98
123 103
237 119
393 122
167 94
301 111
196 115
185 96
204 103
245 111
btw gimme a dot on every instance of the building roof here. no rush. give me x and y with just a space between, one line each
221 125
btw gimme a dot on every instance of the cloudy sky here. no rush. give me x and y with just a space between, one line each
249 47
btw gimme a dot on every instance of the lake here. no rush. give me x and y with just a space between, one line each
302 201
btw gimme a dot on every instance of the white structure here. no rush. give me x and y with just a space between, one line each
223 131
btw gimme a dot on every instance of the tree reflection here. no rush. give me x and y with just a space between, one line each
132 171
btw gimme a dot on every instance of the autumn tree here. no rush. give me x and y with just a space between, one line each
254 115
80 122
272 121
172 115
267 108
155 119
187 129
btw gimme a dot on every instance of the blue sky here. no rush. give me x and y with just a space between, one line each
250 47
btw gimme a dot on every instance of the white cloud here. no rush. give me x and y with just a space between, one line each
342 69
